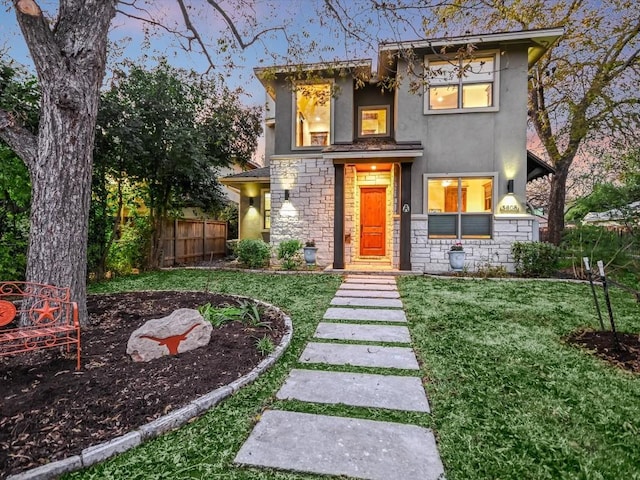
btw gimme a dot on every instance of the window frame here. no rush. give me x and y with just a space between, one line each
263 195
294 115
495 95
459 177
361 110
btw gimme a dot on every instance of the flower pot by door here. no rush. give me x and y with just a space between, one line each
456 260
310 255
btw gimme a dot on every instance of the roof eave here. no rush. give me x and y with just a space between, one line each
540 41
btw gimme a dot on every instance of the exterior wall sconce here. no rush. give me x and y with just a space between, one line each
250 202
286 195
510 187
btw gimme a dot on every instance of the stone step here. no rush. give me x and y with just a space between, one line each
378 281
373 314
353 447
367 333
367 302
359 355
370 276
367 294
355 389
368 286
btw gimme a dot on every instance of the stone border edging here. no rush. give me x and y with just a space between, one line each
98 453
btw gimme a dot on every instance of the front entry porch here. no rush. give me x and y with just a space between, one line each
371 200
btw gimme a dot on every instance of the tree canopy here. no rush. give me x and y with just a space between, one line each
167 131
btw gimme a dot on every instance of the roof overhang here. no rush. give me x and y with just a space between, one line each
309 71
258 175
539 41
537 168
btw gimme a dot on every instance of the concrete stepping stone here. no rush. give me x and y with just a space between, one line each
370 276
356 389
359 355
328 445
368 333
379 281
367 294
367 302
374 314
368 286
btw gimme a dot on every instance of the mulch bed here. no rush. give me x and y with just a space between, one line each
48 411
603 344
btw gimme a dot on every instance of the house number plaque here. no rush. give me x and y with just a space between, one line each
406 208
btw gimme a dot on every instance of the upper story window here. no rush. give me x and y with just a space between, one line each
313 115
462 85
373 121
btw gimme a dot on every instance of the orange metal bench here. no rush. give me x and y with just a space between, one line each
52 317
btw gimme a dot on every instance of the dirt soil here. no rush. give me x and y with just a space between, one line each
624 354
48 411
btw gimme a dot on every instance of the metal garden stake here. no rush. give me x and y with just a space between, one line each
608 301
593 290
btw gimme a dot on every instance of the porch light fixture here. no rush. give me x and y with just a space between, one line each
250 202
286 195
510 187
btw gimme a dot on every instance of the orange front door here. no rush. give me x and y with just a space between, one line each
373 203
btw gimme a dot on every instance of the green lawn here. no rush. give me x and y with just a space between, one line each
509 399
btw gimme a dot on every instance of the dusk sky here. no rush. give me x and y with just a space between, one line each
316 38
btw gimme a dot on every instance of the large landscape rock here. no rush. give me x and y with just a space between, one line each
180 332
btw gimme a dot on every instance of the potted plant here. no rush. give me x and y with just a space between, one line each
310 251
456 257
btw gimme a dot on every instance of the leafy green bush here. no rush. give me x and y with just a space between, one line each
130 251
253 253
13 257
289 253
535 259
618 250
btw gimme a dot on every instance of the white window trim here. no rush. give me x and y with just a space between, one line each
294 120
496 85
374 107
431 176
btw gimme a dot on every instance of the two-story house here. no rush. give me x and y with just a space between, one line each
392 177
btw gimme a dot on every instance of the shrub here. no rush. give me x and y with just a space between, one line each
535 259
130 251
253 253
289 253
616 249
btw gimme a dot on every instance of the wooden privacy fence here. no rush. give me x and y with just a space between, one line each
190 241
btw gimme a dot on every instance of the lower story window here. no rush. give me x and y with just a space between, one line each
460 207
266 210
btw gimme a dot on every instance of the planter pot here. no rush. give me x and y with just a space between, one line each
310 255
456 260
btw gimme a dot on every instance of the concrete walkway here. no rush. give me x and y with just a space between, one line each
330 445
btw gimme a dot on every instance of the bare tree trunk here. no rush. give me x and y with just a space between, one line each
557 199
70 60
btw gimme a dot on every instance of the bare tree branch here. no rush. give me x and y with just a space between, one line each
233 28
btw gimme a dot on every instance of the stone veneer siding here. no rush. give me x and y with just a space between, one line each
431 255
308 215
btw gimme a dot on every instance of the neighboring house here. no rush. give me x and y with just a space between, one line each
392 178
617 217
